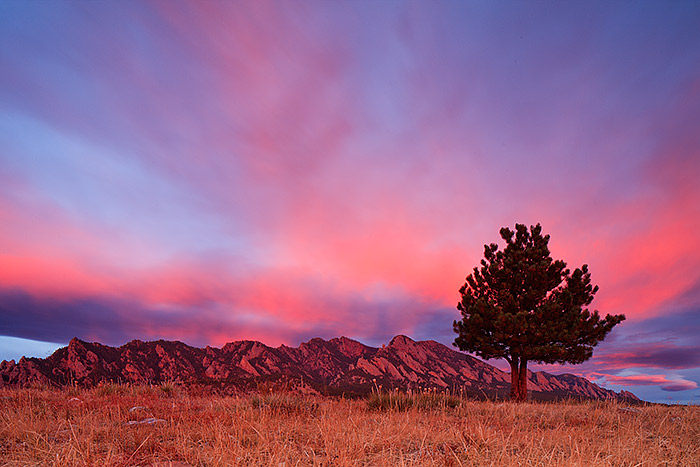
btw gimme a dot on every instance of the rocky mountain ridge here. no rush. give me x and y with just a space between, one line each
339 365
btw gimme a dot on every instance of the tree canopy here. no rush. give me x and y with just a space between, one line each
523 306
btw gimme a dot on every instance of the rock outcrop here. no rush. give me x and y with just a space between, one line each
336 366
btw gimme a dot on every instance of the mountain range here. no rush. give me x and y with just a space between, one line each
337 366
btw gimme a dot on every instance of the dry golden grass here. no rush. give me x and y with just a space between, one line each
91 428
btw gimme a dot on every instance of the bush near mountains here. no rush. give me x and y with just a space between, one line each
335 367
523 306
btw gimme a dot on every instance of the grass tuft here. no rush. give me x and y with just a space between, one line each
400 401
286 403
170 389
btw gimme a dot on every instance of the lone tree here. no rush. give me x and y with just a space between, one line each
523 306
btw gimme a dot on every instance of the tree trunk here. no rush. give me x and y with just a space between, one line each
523 380
514 380
518 379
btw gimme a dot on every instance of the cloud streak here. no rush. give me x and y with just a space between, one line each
653 356
666 384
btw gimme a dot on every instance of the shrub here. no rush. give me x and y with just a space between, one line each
170 389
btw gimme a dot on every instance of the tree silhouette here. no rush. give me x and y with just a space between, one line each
523 306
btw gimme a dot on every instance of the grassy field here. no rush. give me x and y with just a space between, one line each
169 426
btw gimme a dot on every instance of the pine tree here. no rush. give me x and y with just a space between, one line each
523 306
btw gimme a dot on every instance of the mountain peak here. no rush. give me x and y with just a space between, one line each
401 341
350 347
314 341
629 395
75 342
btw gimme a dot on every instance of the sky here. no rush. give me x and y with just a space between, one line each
214 171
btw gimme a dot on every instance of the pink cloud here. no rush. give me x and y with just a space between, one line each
662 381
46 250
651 355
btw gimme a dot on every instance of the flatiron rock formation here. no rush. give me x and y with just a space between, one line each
336 366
